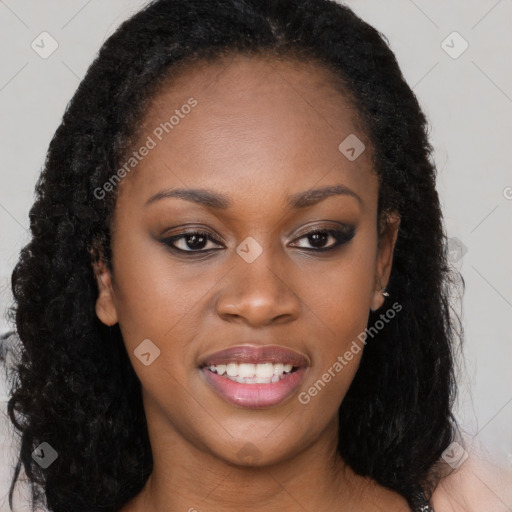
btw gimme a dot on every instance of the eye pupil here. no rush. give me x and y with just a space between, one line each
315 238
195 244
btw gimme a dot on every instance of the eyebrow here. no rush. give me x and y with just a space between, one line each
217 201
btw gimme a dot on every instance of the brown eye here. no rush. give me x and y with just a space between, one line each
320 238
193 241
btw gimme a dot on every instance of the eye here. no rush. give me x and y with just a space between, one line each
319 238
192 241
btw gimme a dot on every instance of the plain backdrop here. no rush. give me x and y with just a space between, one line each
466 95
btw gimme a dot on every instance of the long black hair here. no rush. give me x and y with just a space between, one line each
73 384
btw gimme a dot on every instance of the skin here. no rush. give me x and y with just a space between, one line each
261 130
477 485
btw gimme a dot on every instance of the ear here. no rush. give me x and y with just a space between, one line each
105 303
388 233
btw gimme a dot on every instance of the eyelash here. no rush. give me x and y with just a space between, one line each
341 236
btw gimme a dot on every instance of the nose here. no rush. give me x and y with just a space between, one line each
259 293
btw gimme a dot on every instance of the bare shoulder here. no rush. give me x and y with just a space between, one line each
475 486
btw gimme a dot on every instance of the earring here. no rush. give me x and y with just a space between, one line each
385 293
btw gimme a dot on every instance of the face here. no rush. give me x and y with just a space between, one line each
246 249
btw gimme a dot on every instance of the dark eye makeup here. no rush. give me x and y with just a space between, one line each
195 241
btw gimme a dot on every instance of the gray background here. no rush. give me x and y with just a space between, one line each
468 101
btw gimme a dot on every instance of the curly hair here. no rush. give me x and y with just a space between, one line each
74 386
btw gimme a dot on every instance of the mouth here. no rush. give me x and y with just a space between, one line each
255 377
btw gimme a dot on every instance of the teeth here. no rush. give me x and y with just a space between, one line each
232 369
278 369
248 373
246 370
257 380
265 370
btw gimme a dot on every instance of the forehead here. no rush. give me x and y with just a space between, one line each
257 122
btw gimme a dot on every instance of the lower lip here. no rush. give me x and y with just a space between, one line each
255 396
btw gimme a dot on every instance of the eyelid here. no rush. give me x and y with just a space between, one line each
343 233
326 226
168 240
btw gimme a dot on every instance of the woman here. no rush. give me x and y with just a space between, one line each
303 358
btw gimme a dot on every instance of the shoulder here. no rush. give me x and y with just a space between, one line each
475 486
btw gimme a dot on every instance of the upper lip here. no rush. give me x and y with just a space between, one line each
256 355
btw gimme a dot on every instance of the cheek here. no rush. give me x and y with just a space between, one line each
339 296
155 299
339 292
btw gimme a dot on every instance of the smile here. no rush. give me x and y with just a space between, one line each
248 373
255 377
